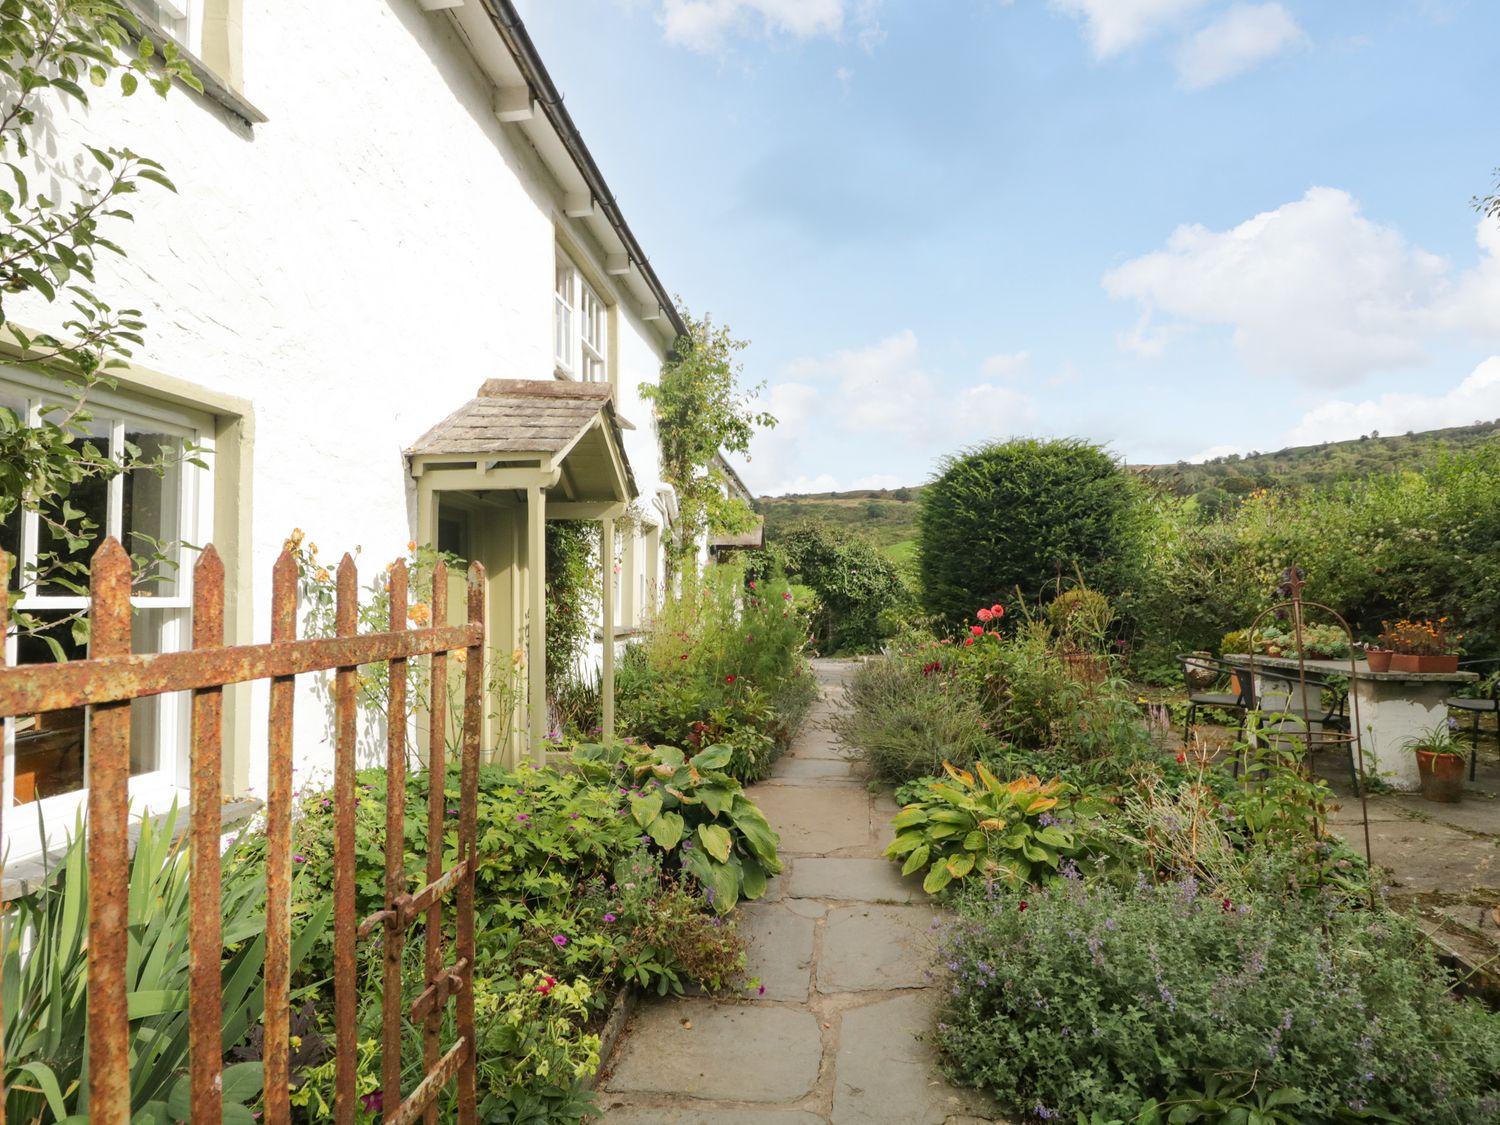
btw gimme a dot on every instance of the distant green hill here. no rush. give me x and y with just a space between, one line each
888 517
1319 464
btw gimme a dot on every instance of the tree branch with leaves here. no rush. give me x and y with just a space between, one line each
702 412
50 251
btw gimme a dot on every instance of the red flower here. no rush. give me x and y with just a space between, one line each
1024 905
984 614
729 679
968 641
977 630
998 610
1182 757
1226 905
547 985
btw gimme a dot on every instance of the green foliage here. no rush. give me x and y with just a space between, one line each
904 718
1083 998
1399 545
1019 514
722 665
860 592
45 939
1080 617
573 575
701 413
50 246
1014 832
566 891
695 812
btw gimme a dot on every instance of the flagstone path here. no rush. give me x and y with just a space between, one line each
844 947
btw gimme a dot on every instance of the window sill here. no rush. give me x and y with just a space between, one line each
29 875
215 89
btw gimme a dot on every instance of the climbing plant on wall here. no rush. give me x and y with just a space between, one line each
573 577
701 412
50 246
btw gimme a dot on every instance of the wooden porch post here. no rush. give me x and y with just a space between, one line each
607 568
536 656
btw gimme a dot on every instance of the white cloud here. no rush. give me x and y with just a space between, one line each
1477 397
1243 37
1113 26
877 409
1003 365
1312 288
1211 452
705 25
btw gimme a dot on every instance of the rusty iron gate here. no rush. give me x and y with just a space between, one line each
112 676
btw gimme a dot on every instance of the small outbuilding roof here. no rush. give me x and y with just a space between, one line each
558 422
519 416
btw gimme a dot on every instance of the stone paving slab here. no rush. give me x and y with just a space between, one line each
780 950
730 1052
671 1115
801 769
814 820
876 948
858 880
884 1074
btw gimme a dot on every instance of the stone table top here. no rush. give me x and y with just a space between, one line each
1359 671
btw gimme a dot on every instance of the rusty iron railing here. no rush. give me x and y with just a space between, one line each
107 682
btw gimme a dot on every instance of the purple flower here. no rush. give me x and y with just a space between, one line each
522 817
609 917
559 941
373 1103
298 857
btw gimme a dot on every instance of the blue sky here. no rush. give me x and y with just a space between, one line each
1176 227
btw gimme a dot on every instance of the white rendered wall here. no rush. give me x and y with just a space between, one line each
356 267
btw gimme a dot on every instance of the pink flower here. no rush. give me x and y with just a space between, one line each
547 985
559 941
729 679
299 858
984 614
609 917
976 630
997 610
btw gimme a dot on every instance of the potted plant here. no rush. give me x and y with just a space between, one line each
1235 641
1377 658
1421 645
1440 761
1080 617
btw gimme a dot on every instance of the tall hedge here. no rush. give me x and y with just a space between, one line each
1018 513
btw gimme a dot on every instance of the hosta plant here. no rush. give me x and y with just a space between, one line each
1009 831
694 812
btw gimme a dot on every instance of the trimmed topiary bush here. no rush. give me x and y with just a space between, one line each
1018 513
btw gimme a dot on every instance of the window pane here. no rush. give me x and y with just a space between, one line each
49 747
63 566
151 518
12 416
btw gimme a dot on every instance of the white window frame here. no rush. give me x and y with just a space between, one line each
580 326
30 828
181 19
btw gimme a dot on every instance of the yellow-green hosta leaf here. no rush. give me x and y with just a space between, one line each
903 844
960 865
916 861
938 878
909 816
645 809
716 841
974 841
666 830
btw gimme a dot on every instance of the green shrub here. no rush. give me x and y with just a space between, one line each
1083 998
860 592
722 665
1015 515
46 968
903 718
725 840
1014 832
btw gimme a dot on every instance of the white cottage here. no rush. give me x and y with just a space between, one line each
396 299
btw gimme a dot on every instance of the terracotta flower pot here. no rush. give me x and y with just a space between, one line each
1378 659
1442 776
1414 662
1087 668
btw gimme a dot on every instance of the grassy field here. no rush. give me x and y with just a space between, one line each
888 517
